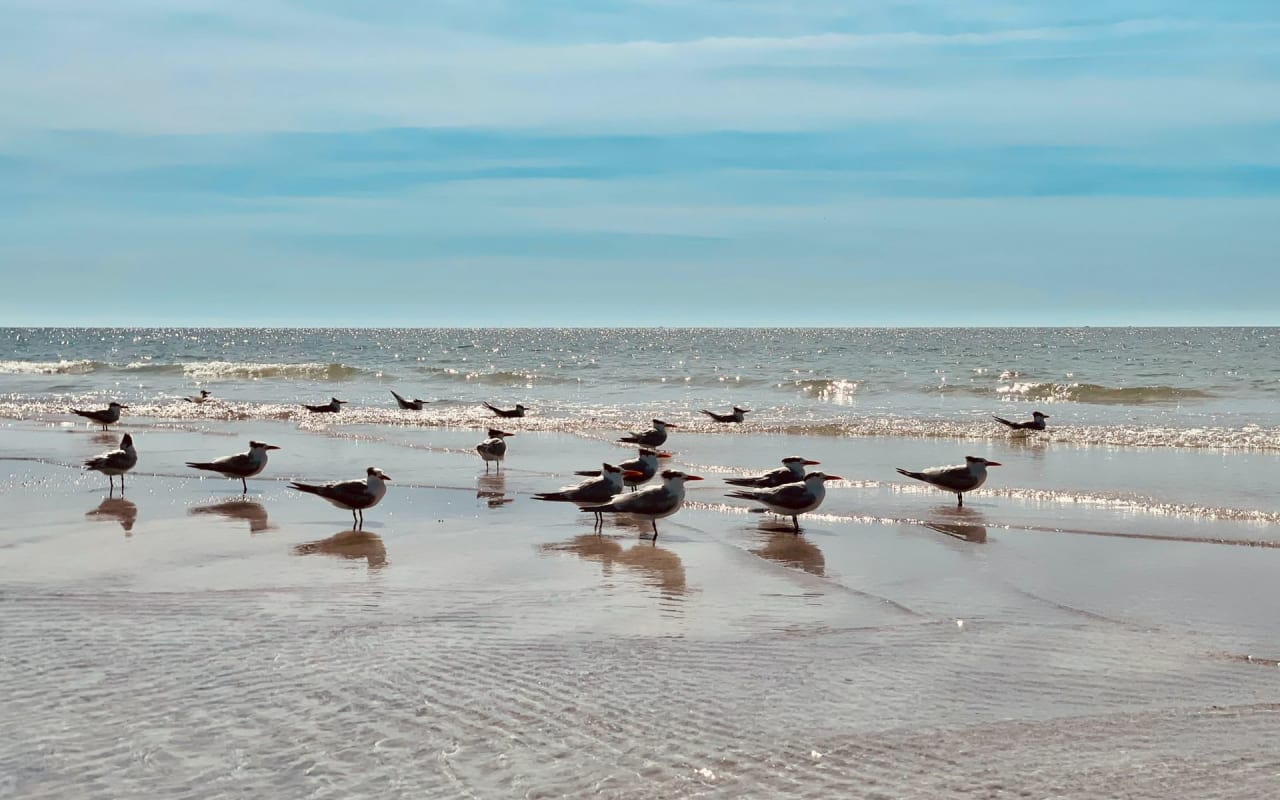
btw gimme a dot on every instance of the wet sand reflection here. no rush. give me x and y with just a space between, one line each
657 566
349 544
493 489
252 512
797 552
117 508
965 524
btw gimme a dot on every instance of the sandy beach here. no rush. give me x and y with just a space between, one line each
183 641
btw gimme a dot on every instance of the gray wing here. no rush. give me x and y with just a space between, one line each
116 459
957 478
239 463
790 495
354 493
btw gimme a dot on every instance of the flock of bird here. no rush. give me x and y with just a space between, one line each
787 491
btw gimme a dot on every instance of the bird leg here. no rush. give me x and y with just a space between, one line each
959 499
245 485
795 522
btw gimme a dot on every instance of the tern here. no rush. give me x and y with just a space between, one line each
107 416
409 405
653 503
494 448
791 471
960 478
790 499
737 415
116 462
637 470
332 407
590 493
1036 424
650 438
354 496
204 395
509 413
241 465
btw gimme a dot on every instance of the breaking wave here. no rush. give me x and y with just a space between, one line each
1093 393
196 370
48 367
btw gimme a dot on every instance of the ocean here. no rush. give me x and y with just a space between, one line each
1154 387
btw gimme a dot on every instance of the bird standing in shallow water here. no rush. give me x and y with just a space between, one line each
241 465
104 417
790 499
653 503
354 496
960 478
791 471
654 437
494 448
115 462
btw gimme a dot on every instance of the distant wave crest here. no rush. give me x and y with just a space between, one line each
47 367
1098 394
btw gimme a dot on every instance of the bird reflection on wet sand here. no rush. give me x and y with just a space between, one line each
118 509
964 524
493 489
350 545
657 566
797 552
254 513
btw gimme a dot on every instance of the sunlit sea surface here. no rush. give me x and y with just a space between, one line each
1185 387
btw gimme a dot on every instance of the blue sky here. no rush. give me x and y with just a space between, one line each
639 162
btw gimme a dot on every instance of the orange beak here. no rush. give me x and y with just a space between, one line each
833 478
694 478
664 454
631 473
994 464
808 463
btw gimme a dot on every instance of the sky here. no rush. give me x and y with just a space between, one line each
639 162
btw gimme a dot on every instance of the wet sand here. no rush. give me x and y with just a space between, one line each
471 642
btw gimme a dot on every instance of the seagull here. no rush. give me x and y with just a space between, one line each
791 471
204 395
518 411
116 462
494 448
107 416
650 438
790 499
960 478
241 465
332 407
637 470
409 405
653 503
1036 424
355 496
737 415
592 492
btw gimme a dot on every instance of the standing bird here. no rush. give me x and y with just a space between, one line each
590 493
204 395
107 416
791 471
354 496
332 407
116 462
637 470
653 503
511 413
241 465
960 478
494 448
409 405
653 437
1036 424
790 499
737 415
